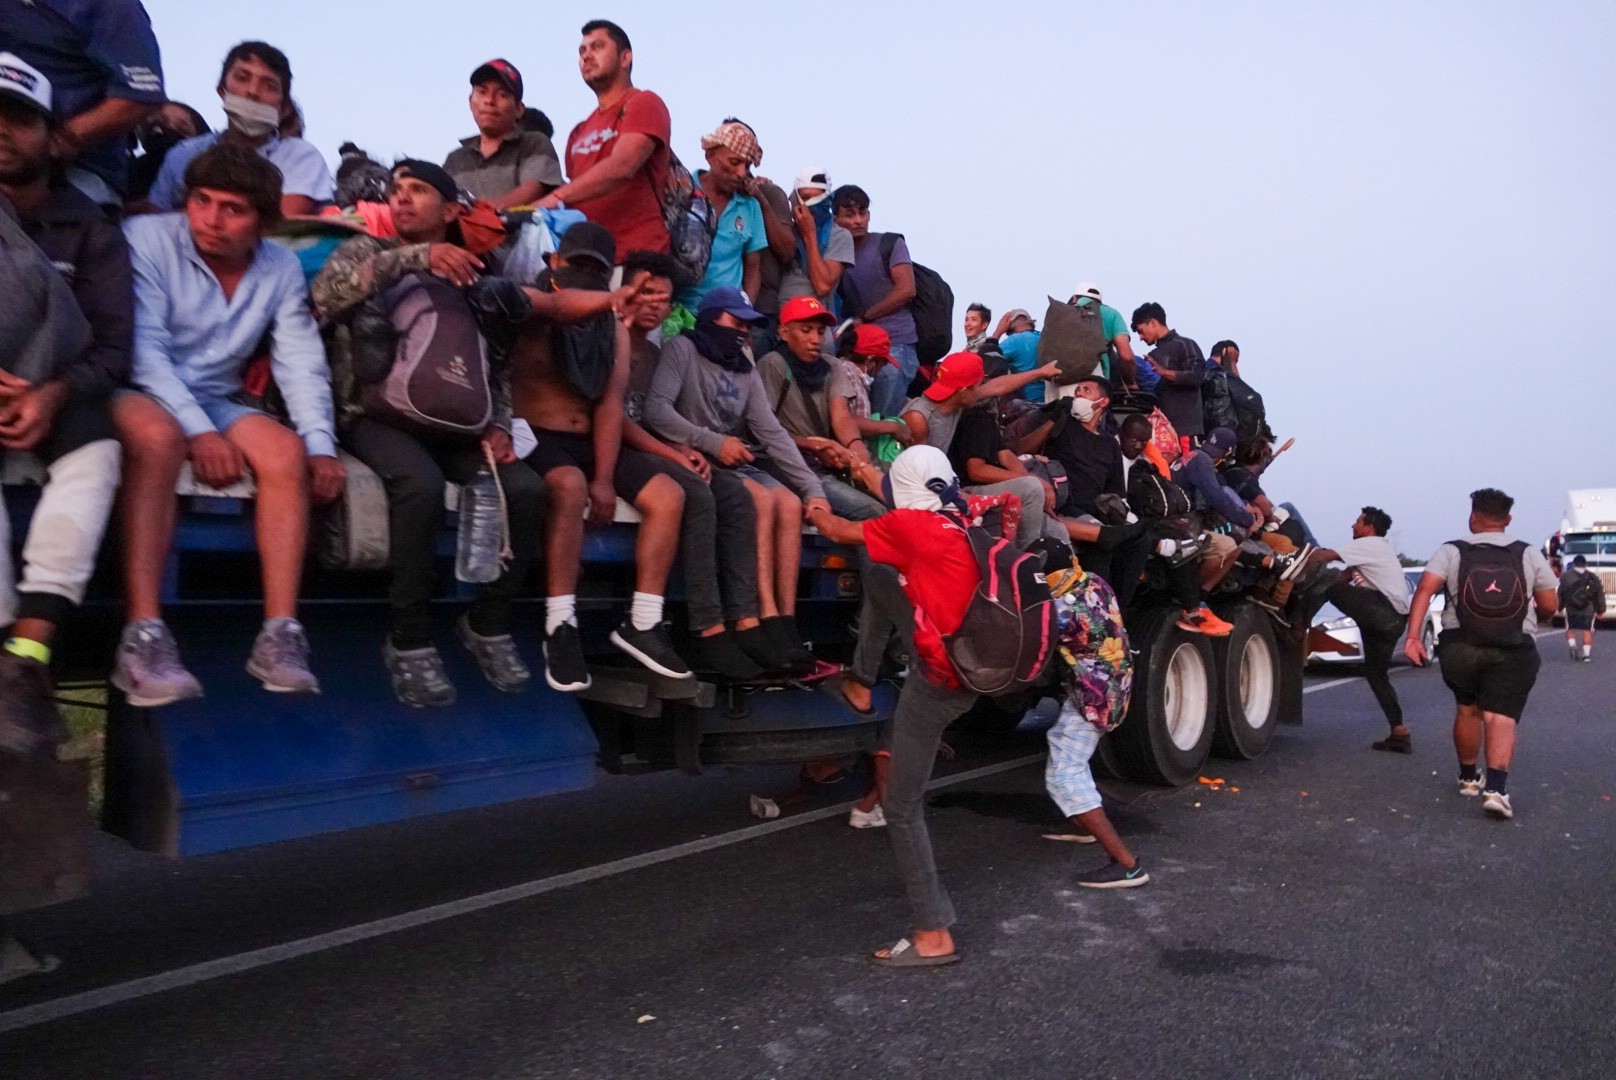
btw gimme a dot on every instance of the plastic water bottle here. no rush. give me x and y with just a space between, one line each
481 529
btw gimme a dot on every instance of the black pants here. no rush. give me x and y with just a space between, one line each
414 471
1380 627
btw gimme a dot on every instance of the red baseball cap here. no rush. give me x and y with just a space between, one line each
805 309
870 340
956 371
504 72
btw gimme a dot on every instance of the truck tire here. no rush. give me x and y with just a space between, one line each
1172 717
1249 676
1104 762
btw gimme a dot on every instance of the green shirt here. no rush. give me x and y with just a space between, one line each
1111 322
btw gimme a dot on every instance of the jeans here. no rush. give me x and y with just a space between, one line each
1376 619
414 472
891 387
924 711
718 546
58 556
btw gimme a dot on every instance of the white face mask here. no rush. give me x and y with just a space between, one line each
251 118
1082 410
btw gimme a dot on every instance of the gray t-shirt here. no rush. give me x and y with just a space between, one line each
522 156
794 281
1374 559
939 425
793 410
1445 563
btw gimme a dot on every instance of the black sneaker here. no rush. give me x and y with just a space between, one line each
30 724
760 648
653 648
1114 876
564 667
721 655
781 630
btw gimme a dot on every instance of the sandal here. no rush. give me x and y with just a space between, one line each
902 954
1071 837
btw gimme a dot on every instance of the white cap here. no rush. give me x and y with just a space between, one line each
1087 288
812 177
20 79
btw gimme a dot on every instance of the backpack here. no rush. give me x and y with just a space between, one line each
1250 418
932 306
1008 636
1165 436
1493 596
420 358
1583 594
1073 337
1054 474
1217 406
686 214
1154 497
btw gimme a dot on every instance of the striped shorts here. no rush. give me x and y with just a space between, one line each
1067 776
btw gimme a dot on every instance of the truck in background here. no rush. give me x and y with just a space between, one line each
1589 530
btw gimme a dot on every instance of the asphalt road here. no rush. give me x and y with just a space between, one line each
1344 913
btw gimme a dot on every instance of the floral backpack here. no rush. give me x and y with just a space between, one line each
1097 665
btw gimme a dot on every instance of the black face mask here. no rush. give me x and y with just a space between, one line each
158 139
726 346
811 375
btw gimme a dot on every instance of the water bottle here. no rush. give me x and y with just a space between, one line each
481 529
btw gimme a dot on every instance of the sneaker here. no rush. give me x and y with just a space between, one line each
280 659
497 657
30 723
1574 651
781 630
418 677
1470 787
1588 658
564 667
719 654
653 648
1496 803
875 819
148 669
1202 621
1113 876
1292 565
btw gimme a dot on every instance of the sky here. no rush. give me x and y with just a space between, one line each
1404 213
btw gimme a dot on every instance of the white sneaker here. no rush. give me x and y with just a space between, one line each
875 819
1470 787
1496 803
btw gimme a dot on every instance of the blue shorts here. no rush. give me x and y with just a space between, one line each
1067 776
222 413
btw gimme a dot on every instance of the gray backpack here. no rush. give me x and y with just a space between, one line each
420 359
1074 338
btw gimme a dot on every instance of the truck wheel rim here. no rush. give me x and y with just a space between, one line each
1184 699
1256 681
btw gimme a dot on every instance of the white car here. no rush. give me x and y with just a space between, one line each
1339 628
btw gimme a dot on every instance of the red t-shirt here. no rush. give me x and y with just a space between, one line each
939 575
633 212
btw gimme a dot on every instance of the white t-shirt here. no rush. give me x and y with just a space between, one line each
1445 562
1376 562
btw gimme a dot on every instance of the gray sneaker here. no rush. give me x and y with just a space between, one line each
280 658
497 657
148 669
418 677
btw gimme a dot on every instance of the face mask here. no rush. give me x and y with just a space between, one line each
1082 410
253 119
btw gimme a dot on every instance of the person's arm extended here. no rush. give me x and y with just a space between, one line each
526 193
874 429
1034 440
981 471
903 291
1127 365
835 529
1414 646
777 444
113 118
1191 375
632 151
607 429
919 427
360 269
1327 555
1012 383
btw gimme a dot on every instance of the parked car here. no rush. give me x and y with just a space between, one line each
1331 623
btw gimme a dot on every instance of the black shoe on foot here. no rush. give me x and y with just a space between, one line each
1397 744
653 648
720 654
757 644
781 631
564 667
1113 875
30 724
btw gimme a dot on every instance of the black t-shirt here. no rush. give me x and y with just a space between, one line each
977 436
1093 464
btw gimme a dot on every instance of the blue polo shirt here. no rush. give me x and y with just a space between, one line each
303 170
90 50
740 232
191 342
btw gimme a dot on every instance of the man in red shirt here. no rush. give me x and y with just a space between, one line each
617 158
939 575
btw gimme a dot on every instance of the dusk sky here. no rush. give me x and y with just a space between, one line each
1404 213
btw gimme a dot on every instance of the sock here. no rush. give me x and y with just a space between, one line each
28 649
1468 772
279 621
558 610
1497 779
645 611
1587 650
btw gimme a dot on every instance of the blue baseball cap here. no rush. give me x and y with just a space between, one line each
730 299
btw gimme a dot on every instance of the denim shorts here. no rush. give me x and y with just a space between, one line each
222 413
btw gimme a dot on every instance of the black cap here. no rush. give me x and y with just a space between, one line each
588 240
428 173
502 70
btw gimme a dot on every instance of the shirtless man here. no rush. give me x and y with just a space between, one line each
576 412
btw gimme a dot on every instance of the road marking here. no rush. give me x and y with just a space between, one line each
74 1004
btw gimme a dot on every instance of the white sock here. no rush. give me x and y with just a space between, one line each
1587 650
645 611
558 610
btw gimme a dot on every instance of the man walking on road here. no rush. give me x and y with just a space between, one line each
1582 598
1498 587
1374 594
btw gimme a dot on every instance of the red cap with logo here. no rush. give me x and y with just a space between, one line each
871 340
805 309
956 371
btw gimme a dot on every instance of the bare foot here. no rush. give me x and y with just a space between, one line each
926 943
856 694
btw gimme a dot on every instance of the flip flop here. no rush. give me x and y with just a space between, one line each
902 954
1070 837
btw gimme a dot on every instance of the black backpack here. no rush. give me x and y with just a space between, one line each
1251 418
1584 592
1493 593
1153 496
1217 406
1007 638
932 306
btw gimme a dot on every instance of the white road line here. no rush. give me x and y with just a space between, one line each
74 1004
